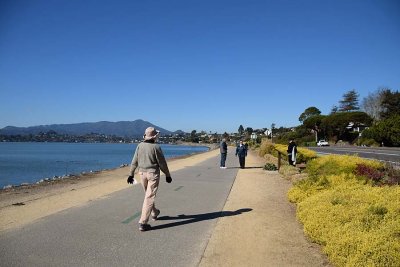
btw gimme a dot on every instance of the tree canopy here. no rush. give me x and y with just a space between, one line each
386 132
241 129
337 125
309 112
349 101
372 104
390 104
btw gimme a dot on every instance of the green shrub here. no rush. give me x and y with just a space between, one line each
270 167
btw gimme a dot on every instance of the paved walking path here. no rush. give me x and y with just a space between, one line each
209 217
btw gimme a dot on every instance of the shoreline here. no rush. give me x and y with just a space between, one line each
25 204
82 176
74 176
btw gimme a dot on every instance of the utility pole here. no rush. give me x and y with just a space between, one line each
272 129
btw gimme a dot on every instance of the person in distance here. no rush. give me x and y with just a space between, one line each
241 152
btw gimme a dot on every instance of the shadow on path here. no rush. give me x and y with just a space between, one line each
245 167
186 219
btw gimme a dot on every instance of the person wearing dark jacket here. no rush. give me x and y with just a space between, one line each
292 153
149 159
223 148
241 152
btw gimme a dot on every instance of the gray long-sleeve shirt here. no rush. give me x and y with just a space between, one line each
149 157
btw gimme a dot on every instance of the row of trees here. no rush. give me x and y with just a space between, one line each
376 122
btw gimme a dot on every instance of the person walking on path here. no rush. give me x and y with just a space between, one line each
149 159
223 148
292 152
241 152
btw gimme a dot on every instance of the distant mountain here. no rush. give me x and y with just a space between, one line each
121 128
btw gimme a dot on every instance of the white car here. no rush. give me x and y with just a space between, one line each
322 143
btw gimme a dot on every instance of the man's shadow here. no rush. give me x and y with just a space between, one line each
245 167
186 219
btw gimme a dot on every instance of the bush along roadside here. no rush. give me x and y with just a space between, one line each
351 206
303 154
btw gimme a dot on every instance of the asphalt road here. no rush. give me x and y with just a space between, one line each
386 154
105 232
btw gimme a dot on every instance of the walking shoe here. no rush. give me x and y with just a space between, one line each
144 227
223 167
154 217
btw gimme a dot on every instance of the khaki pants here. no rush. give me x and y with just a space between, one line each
150 181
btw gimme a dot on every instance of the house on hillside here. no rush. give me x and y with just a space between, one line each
356 127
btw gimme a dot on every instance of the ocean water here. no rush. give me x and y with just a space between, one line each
31 162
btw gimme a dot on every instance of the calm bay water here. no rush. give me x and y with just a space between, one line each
31 162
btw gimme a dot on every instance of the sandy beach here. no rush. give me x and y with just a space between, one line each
23 205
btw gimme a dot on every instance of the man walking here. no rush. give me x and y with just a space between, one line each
241 152
223 148
149 159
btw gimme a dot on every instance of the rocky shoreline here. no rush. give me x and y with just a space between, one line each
68 177
24 204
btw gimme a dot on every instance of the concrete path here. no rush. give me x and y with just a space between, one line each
202 222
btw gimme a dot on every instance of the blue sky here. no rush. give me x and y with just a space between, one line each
191 65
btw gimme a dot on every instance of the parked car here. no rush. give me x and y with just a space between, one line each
322 143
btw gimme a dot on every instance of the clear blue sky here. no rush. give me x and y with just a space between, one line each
191 65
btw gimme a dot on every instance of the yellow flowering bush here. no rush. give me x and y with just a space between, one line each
307 154
336 164
308 187
357 223
281 148
303 154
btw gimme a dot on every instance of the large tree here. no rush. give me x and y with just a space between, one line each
313 125
349 101
337 125
193 136
386 132
309 112
372 104
314 122
390 104
241 129
249 130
